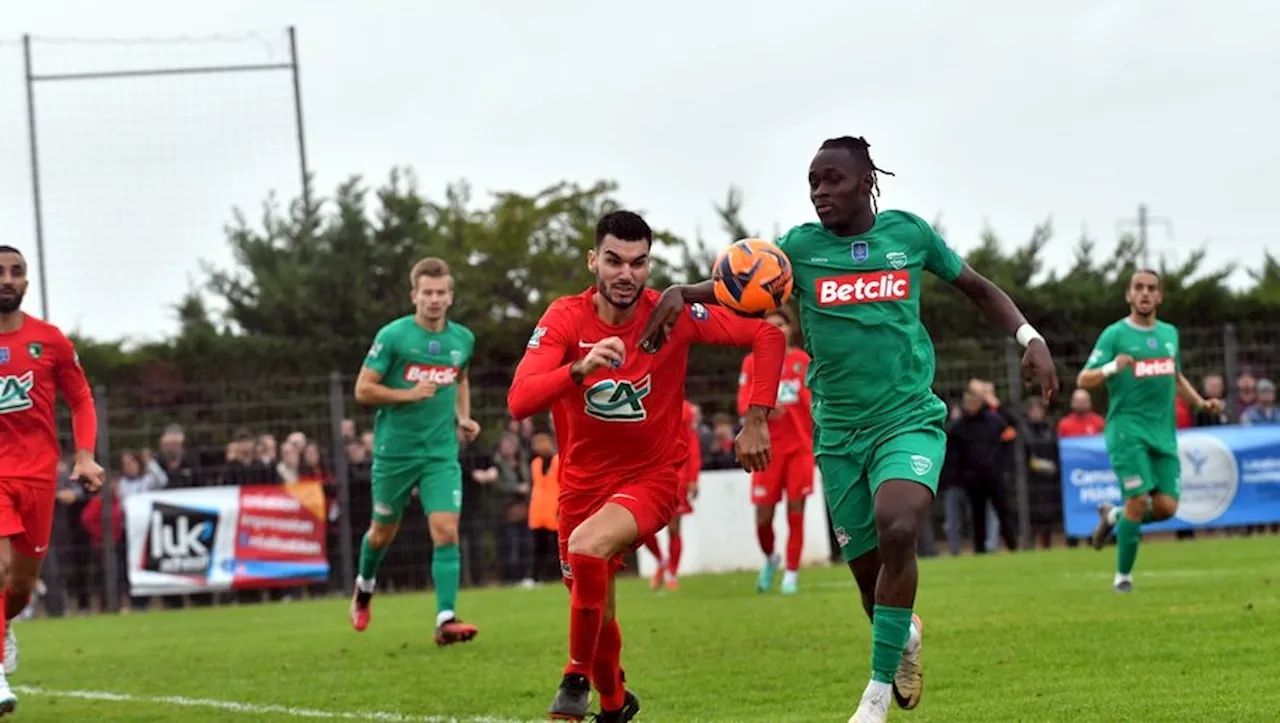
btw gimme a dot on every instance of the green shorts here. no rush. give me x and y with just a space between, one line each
855 462
438 481
1142 469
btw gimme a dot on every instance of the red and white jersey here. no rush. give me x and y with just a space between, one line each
793 431
36 362
621 424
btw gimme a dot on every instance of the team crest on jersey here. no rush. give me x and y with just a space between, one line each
921 464
698 312
1152 343
15 393
433 347
896 259
858 250
456 357
35 349
4 355
617 400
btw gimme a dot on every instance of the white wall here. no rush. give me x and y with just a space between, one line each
720 535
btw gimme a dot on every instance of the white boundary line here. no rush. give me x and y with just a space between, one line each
253 708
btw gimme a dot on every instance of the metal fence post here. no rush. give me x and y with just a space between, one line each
110 582
1231 367
337 411
1013 366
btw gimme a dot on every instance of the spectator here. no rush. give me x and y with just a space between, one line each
720 454
974 459
289 468
348 429
173 461
266 450
1043 482
512 487
1082 421
298 439
366 439
313 466
135 477
478 476
987 390
242 466
543 508
1183 417
91 521
1263 412
1246 393
1214 387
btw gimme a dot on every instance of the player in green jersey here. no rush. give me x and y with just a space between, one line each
416 375
879 436
1139 359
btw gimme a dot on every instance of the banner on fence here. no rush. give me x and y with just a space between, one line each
226 538
1230 477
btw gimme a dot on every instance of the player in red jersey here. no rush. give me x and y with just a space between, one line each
36 360
617 415
669 569
791 431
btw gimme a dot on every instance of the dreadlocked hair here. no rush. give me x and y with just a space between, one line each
860 149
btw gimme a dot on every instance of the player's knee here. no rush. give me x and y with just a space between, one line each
764 514
444 531
795 506
589 541
1163 507
1135 508
897 533
673 527
20 585
381 535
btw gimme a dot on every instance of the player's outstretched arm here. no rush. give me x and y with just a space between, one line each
670 306
1037 362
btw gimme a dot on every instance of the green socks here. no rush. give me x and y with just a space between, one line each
1128 533
446 569
890 629
370 558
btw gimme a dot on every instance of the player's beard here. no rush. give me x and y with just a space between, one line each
8 305
613 298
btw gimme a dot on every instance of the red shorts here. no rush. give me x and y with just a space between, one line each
683 505
793 472
26 514
652 502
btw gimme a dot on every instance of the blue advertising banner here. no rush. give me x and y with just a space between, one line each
1230 477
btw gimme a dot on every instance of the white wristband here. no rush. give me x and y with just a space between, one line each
1109 368
1026 334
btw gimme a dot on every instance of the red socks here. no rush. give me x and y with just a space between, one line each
606 671
764 533
651 544
795 539
676 545
586 610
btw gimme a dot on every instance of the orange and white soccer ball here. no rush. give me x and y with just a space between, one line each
752 277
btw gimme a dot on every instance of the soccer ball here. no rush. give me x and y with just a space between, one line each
752 277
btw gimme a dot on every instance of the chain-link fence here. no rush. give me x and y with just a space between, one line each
273 430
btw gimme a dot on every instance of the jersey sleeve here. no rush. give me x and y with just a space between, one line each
715 325
74 387
543 373
381 351
1104 350
744 383
940 259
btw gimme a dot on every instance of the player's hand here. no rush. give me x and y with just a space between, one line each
89 473
692 490
1038 366
1123 361
752 443
1212 406
610 352
662 319
468 429
778 412
424 389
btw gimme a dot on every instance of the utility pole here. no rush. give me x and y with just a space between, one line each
1143 222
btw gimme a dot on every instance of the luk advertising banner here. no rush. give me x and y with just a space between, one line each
226 538
1230 477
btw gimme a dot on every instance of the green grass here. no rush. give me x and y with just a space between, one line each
1031 637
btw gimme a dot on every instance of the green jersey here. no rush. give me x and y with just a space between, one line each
1141 398
860 313
403 352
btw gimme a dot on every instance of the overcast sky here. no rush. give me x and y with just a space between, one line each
992 114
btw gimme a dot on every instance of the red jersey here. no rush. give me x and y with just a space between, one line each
694 459
1080 425
793 431
621 424
36 361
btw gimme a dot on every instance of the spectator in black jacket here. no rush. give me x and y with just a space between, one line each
1044 486
974 459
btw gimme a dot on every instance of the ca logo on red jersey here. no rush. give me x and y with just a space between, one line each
617 400
442 376
15 393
